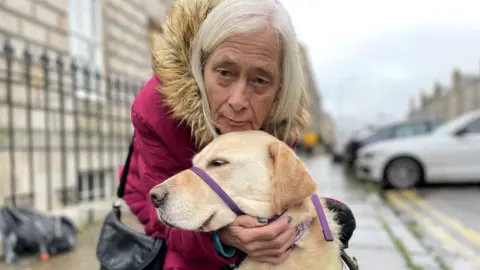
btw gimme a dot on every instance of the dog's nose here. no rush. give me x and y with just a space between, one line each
158 196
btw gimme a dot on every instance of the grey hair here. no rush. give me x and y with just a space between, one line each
247 16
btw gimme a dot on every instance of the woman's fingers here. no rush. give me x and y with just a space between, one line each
261 241
274 247
270 231
263 232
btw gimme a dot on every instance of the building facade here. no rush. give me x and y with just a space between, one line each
319 123
447 102
327 127
68 72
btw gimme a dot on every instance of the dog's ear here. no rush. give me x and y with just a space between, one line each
291 182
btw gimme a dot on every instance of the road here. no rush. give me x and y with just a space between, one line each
447 218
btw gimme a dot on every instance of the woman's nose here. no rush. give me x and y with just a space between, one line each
238 99
158 196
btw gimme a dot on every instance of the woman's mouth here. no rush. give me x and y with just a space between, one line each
236 123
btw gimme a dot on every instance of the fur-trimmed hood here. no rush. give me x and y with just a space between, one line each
179 89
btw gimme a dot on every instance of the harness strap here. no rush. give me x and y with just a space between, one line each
327 233
233 206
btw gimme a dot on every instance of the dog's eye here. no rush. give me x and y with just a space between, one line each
218 162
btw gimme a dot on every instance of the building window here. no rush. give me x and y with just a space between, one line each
91 185
86 43
68 196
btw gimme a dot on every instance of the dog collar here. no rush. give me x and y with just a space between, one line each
327 233
300 229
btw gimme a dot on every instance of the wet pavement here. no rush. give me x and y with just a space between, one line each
447 219
371 244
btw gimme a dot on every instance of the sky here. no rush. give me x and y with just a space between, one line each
370 57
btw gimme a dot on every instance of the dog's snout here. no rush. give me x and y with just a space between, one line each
158 196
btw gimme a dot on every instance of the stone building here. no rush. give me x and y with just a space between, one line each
447 102
314 102
318 122
327 127
65 128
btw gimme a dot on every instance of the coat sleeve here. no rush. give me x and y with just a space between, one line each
156 164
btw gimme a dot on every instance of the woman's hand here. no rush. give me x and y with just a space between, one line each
260 241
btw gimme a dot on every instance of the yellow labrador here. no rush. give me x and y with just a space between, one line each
261 176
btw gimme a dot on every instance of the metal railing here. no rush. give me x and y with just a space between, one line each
64 127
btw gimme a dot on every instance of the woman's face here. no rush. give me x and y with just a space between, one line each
242 79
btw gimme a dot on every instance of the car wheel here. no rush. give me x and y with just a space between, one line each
402 173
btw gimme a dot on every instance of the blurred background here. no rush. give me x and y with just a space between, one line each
394 93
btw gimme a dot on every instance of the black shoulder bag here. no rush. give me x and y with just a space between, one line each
122 248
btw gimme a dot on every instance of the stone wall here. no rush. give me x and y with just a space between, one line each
43 22
46 157
130 27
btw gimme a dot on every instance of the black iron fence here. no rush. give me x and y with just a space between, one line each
64 127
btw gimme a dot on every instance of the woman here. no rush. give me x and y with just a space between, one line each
220 66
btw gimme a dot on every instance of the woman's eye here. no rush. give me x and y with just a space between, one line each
261 81
224 73
218 162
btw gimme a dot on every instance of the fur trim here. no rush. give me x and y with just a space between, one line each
171 54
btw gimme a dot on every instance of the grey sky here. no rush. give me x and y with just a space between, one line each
371 56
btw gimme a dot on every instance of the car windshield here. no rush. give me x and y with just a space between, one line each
453 124
381 134
410 129
436 123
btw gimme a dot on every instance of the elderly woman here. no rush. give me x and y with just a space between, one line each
220 66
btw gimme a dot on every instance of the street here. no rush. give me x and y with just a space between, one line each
447 219
374 246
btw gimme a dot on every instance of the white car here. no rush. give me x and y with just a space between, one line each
449 153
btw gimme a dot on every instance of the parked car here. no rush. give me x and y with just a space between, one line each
451 152
398 130
338 146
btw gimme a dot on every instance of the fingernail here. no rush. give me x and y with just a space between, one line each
262 220
289 219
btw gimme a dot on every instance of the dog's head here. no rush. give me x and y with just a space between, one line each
260 173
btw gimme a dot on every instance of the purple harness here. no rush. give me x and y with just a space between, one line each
300 229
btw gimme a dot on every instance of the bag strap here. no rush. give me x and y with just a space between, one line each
123 178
